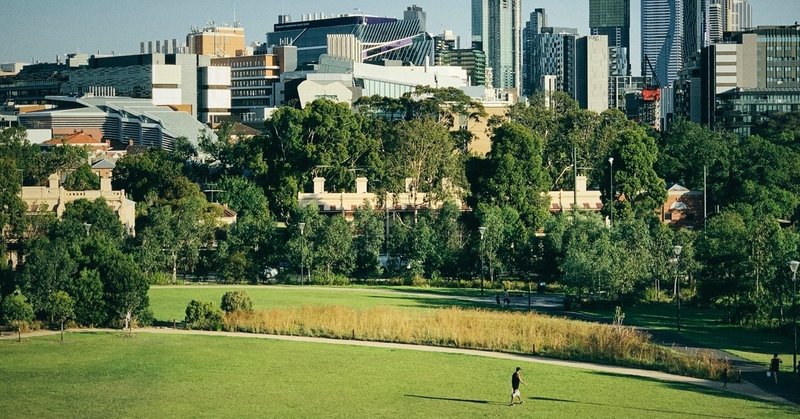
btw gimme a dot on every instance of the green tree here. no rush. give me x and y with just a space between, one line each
722 251
97 215
324 138
424 152
61 307
333 246
12 208
82 179
369 237
16 312
87 292
243 196
50 265
514 175
638 190
155 175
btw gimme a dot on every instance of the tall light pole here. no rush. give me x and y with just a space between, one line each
677 251
611 190
302 249
793 266
483 232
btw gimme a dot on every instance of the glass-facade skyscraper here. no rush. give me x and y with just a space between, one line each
662 38
612 18
496 30
533 28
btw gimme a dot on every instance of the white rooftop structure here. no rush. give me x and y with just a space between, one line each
344 80
123 119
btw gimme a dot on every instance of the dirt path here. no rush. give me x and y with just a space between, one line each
743 388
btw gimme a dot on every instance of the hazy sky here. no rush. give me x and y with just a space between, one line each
41 29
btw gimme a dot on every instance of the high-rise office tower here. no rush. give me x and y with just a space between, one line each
496 29
612 18
529 38
416 13
553 60
662 38
695 27
715 21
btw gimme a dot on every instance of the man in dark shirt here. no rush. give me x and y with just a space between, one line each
774 366
515 380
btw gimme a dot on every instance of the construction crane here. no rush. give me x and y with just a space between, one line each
652 90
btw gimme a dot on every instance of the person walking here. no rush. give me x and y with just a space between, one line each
725 378
774 366
516 379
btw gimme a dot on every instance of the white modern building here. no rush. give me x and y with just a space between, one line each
343 80
183 81
496 30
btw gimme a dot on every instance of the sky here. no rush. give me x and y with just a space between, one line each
39 30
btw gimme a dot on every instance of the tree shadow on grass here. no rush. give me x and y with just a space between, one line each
451 399
716 392
641 409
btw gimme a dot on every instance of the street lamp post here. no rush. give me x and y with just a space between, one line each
793 266
483 232
677 251
87 227
302 249
611 190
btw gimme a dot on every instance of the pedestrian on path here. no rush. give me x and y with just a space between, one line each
774 366
506 298
725 377
516 379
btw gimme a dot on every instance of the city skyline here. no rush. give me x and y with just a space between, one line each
71 26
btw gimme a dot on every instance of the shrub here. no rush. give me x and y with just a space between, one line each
236 301
160 278
203 315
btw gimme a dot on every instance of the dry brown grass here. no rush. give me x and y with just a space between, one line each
480 329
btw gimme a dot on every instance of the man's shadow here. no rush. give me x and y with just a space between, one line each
451 399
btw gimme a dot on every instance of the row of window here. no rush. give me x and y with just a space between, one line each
252 73
251 92
251 83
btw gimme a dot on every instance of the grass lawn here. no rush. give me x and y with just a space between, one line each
111 375
170 303
706 328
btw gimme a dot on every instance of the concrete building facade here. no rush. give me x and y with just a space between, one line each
612 18
54 198
216 41
591 72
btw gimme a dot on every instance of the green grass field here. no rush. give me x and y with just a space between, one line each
170 303
112 375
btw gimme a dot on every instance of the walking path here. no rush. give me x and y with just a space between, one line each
743 388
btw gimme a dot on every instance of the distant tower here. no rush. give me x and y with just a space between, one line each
715 25
737 15
612 18
695 27
533 28
496 29
416 13
662 38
